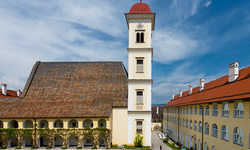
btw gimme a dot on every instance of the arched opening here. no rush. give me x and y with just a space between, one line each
73 123
13 124
87 141
186 141
190 142
27 142
195 144
183 139
43 124
13 141
102 123
206 147
102 142
199 144
88 123
28 124
138 37
58 141
1 141
43 142
157 128
72 141
142 37
58 124
1 124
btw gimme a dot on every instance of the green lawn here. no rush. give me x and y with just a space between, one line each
173 147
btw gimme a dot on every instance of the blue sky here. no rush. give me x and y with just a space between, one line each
193 39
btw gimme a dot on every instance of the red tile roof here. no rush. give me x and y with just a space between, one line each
217 91
140 8
10 94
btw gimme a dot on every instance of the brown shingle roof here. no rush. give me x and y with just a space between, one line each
70 89
216 91
154 112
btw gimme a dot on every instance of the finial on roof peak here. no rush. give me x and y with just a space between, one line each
140 1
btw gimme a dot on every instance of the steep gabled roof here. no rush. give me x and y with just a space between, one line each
217 91
70 89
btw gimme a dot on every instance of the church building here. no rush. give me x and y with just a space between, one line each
85 104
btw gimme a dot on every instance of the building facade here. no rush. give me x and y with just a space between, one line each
214 115
86 104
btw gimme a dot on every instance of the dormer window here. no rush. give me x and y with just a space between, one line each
139 64
139 36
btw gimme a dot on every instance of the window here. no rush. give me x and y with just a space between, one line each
225 110
183 122
180 110
214 130
191 110
187 110
139 97
140 37
139 64
195 125
206 128
239 110
207 110
224 132
183 111
238 136
215 110
200 126
195 110
186 123
190 124
179 121
200 110
138 126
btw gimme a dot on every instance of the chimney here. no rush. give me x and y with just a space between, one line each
18 93
202 84
4 89
190 89
180 92
233 71
172 95
157 110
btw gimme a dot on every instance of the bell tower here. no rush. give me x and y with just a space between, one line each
141 23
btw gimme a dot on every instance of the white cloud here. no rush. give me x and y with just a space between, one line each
208 3
171 45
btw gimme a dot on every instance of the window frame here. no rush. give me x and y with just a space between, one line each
225 112
214 130
238 113
139 65
139 127
238 136
206 110
139 98
195 110
215 110
206 128
224 133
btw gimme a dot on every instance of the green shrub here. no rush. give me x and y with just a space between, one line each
138 140
94 147
48 147
79 148
18 147
165 140
173 145
64 147
3 147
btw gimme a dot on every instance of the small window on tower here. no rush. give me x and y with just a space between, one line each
139 63
139 97
139 126
140 37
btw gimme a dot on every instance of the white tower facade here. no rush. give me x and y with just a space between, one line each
141 22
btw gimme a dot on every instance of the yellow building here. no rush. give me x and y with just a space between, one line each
214 115
86 103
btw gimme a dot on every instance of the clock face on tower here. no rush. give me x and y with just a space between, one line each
139 25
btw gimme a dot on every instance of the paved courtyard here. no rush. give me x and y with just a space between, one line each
156 142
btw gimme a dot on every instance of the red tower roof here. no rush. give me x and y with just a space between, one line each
140 8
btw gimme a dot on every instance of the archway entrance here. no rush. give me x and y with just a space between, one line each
157 128
13 141
27 142
58 141
73 141
43 142
102 142
87 141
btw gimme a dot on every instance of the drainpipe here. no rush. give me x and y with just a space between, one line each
35 133
202 129
178 124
